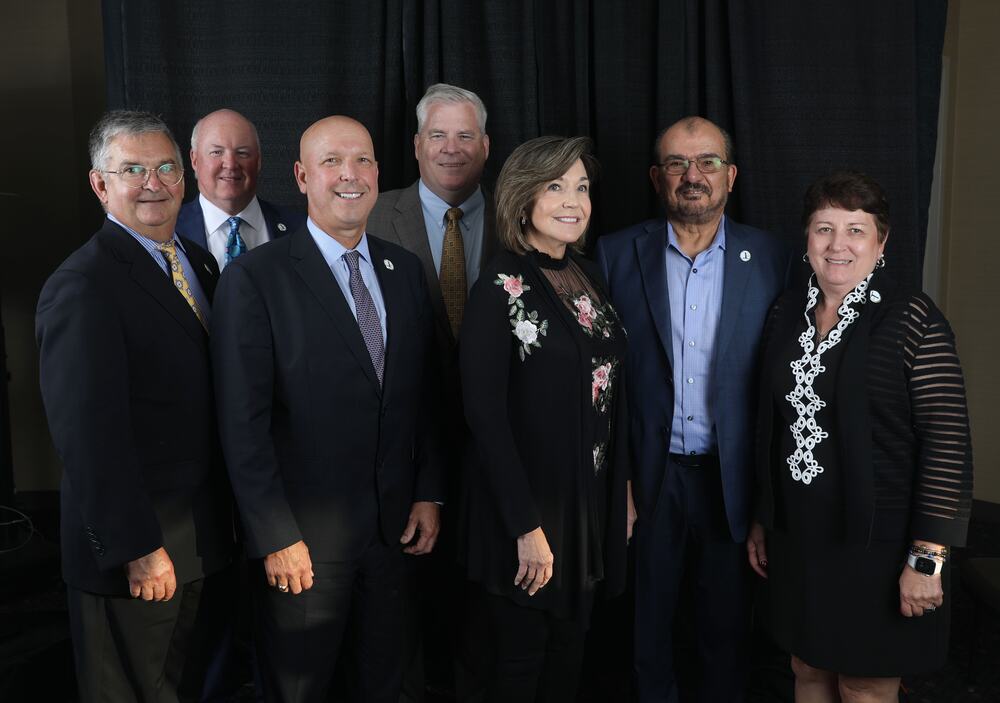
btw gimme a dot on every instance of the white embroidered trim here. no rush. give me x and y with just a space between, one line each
805 430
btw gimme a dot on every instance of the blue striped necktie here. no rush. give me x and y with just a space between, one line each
235 244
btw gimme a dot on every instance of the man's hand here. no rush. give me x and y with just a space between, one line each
290 569
757 549
152 577
534 561
425 516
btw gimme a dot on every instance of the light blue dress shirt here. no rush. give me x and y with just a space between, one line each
333 253
695 291
193 283
473 214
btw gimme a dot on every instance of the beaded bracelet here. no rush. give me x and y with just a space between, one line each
919 550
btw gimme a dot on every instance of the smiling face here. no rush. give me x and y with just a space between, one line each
226 160
150 210
693 197
561 212
338 174
451 151
842 248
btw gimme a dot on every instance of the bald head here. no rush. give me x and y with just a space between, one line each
225 156
338 174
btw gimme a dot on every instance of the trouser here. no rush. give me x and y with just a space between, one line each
692 580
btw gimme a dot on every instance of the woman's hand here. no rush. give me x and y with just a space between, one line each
632 516
534 560
919 593
757 549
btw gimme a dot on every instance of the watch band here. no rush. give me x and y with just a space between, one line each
924 565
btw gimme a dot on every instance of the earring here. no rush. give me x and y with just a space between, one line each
805 258
524 220
880 263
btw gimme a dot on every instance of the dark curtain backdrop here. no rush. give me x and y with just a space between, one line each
804 87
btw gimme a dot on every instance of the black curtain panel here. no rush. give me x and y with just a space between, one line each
804 87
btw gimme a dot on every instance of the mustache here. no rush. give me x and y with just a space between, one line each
693 188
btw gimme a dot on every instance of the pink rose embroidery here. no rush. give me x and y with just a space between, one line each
513 287
584 320
602 378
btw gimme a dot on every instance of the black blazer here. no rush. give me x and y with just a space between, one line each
127 387
902 429
315 449
191 221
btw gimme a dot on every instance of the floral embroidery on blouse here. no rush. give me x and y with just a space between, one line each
526 325
594 319
600 456
602 381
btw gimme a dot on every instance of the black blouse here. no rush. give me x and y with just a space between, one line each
541 354
902 425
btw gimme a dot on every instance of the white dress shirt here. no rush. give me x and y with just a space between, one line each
253 229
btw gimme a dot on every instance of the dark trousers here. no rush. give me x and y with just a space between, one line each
538 656
300 637
692 594
127 649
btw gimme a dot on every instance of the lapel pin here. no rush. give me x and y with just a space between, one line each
281 227
875 296
744 255
207 269
388 264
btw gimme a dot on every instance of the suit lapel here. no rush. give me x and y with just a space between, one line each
206 271
191 223
275 227
394 294
151 278
735 278
650 250
310 265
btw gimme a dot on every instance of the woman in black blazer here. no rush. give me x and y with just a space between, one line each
544 512
864 460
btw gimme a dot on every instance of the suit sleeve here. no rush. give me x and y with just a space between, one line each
430 462
243 365
84 376
485 357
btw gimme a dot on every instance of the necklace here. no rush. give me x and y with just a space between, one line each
804 400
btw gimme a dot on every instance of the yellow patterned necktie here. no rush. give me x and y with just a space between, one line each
452 275
169 250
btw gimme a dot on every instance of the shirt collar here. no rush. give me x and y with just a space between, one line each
719 241
215 216
139 235
438 207
331 249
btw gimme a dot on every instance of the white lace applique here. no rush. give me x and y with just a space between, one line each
804 400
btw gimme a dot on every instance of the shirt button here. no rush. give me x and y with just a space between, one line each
694 270
694 307
691 343
690 418
690 380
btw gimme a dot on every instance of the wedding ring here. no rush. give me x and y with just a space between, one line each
283 587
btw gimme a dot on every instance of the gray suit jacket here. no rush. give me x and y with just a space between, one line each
399 218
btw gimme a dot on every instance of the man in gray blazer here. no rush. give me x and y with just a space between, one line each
447 221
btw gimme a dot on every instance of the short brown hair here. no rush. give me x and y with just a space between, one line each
528 168
849 190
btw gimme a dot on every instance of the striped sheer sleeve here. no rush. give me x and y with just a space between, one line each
942 491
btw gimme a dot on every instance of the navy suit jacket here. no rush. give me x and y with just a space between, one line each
127 386
316 449
634 263
191 223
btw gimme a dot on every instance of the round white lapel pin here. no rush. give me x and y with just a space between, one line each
281 227
388 264
744 255
875 296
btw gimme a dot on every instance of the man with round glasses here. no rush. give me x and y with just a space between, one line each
127 386
694 315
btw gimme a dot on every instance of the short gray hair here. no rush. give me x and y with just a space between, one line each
194 130
129 123
444 93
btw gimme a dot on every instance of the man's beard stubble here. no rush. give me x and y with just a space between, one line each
690 211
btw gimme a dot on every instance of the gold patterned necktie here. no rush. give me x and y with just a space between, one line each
452 276
169 250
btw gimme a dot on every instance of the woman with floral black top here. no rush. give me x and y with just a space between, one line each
546 505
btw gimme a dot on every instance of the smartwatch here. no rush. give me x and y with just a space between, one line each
924 565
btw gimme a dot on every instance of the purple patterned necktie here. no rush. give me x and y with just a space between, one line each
371 328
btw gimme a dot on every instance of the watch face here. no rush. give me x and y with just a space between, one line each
925 566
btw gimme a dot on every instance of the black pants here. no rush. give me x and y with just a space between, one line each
300 637
692 580
128 649
538 656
